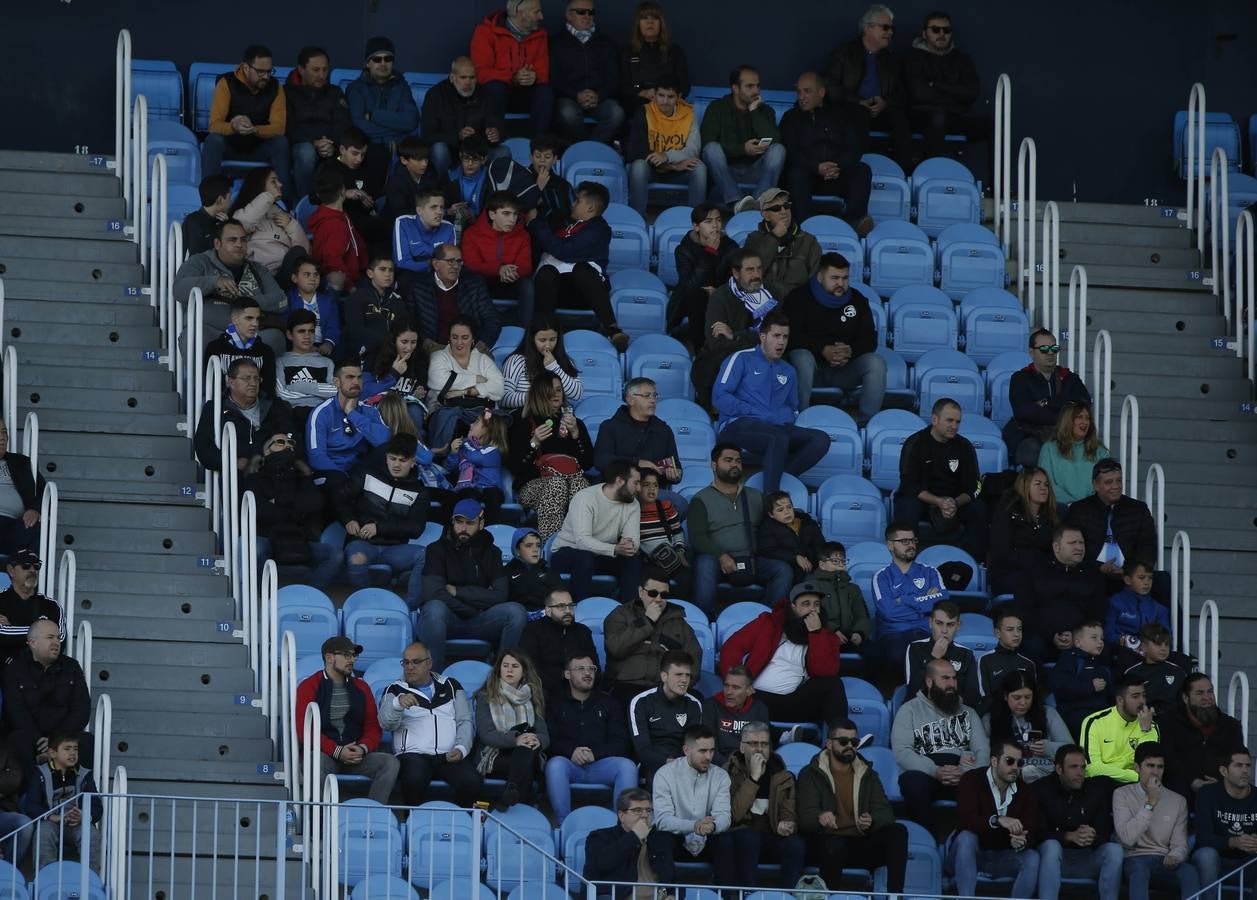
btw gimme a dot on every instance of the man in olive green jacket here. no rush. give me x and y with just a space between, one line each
789 254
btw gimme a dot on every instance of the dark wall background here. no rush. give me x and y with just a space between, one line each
1096 84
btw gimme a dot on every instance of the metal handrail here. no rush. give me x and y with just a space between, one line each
1027 194
84 657
1102 363
1220 183
1207 639
1129 450
1051 316
193 360
48 537
116 869
229 510
102 729
10 389
288 715
67 588
247 573
1 314
1076 344
311 780
158 234
1239 679
172 251
1196 154
330 859
1181 591
1154 496
1245 289
1003 157
269 614
30 442
139 160
122 114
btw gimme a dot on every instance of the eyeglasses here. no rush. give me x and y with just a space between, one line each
455 261
582 10
778 207
652 395
346 653
835 560
844 741
561 606
380 59
940 29
639 811
1048 348
416 662
885 26
651 592
1017 761
583 669
269 71
903 540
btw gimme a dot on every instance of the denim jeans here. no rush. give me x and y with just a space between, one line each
774 575
615 772
218 147
965 859
498 94
642 174
15 536
401 558
569 119
501 625
1141 871
581 566
14 849
778 448
867 371
1212 865
764 172
1103 863
324 564
305 159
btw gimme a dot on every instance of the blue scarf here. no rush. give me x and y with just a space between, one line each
237 341
759 303
825 298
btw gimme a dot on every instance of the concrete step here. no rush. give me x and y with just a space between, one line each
167 471
53 183
204 609
137 652
1147 387
103 561
1199 365
81 271
1075 234
95 359
1221 460
1208 560
1190 472
108 422
52 375
1206 492
140 582
1080 251
203 679
1200 320
97 399
189 629
64 251
60 206
1182 409
101 515
68 313
64 444
203 817
94 490
188 877
192 749
96 227
212 704
1161 278
129 540
1197 516
1140 301
242 773
1228 539
87 335
210 790
43 288
73 165
1176 344
190 724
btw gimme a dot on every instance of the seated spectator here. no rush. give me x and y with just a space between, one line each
304 375
1226 819
430 717
636 436
347 166
475 463
342 430
602 532
540 350
555 638
641 635
373 307
255 418
1116 528
902 592
1071 452
842 602
399 365
865 84
741 142
585 75
498 249
997 824
1111 735
224 274
588 738
550 451
448 294
1021 533
692 802
651 56
1006 658
454 111
1017 711
511 729
662 537
464 185
1162 676
416 237
856 828
1068 590
394 415
824 153
1076 818
1195 733
22 488
702 258
572 270
789 535
944 621
290 514
663 147
757 397
21 604
45 691
793 658
351 725
200 227
240 340
1036 394
789 254
1129 611
722 519
465 378
630 853
276 238
248 116
382 107
1151 822
317 115
61 780
659 716
413 173
511 52
464 588
1080 681
304 294
531 578
942 85
728 712
936 739
834 339
337 245
939 480
536 186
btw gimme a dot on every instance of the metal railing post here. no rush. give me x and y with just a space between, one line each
102 730
1 315
84 655
48 538
1207 639
30 441
269 615
1239 684
1003 157
193 359
1027 195
1196 163
1051 317
230 511
139 160
122 114
249 586
10 389
1181 591
288 699
67 588
1129 450
1102 363
1220 183
157 237
172 250
1154 496
1076 345
1245 288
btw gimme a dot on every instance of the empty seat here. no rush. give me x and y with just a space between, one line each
924 873
882 759
899 254
593 411
884 437
342 78
508 341
461 889
576 828
662 359
669 229
793 486
162 86
999 372
742 224
1220 131
988 443
202 77
382 887
867 708
733 617
309 615
592 161
943 194
598 361
949 373
845 455
519 848
630 241
779 101
976 632
836 236
64 880
639 298
422 82
796 755
370 841
890 197
183 154
470 673
439 843
969 257
379 620
182 199
865 560
896 374
850 509
993 322
921 319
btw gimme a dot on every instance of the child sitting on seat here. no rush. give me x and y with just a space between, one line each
789 535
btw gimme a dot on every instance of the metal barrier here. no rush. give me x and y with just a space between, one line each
1027 196
83 641
1076 340
48 537
1245 291
1207 639
1102 363
1154 496
1220 183
288 715
1128 452
229 510
311 783
157 236
1003 158
193 372
1232 883
30 441
1 314
1181 591
10 389
67 587
271 679
138 231
213 373
172 311
1051 316
122 114
1196 163
102 730
1239 685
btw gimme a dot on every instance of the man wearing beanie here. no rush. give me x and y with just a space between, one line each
380 103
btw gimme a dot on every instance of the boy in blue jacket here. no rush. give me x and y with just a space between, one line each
1130 610
415 238
58 781
1080 681
304 294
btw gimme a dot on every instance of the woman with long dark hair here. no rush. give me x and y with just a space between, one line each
273 232
540 350
399 365
649 56
1018 712
511 726
550 450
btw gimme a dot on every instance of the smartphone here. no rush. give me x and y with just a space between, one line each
1036 736
764 142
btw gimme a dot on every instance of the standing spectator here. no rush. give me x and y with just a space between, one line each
1068 590
641 635
942 85
60 782
632 852
511 727
1005 659
936 739
1080 681
1151 822
662 537
1069 455
1018 712
1076 817
240 340
512 56
224 274
430 718
382 107
304 294
843 607
997 824
417 237
412 173
702 257
338 246
663 146
741 142
342 430
834 338
317 115
734 313
602 531
247 117
588 738
1112 735
1021 532
442 296
276 239
540 350
21 496
866 85
585 75
554 639
201 225
498 249
1195 734
1226 819
728 712
254 418
465 588
902 592
550 452
44 692
303 375
691 799
374 306
941 644
21 604
351 725
536 185
1116 528
789 254
454 111
531 578
636 436
845 815
659 716
400 366
650 57
789 535
1036 394
466 379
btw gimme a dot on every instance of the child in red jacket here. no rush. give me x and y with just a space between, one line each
337 247
498 247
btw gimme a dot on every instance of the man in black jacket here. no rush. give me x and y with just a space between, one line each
833 338
255 418
1117 529
702 259
866 86
454 111
21 604
317 116
1195 734
635 435
21 493
942 84
470 295
585 75
1037 394
823 156
1075 813
464 588
44 692
658 717
1066 591
615 854
556 637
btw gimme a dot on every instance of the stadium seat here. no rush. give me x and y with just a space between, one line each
845 455
702 95
521 150
1220 131
309 615
183 154
519 848
309 664
576 827
987 442
883 439
993 322
999 372
897 376
921 319
383 888
380 674
742 224
949 373
162 86
639 299
593 411
796 755
774 895
734 616
431 533
924 874
899 254
867 708
63 880
379 620
668 229
969 257
507 343
470 673
630 241
865 560
540 891
461 889
202 78
890 198
422 82
796 488
882 759
694 442
850 509
592 161
662 359
673 410
701 626
836 236
370 841
779 101
707 684
943 194
182 199
976 632
940 554
342 78
439 843
601 372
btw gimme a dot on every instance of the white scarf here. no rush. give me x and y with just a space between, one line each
758 303
582 36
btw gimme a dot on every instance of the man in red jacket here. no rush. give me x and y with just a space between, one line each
512 57
351 726
793 658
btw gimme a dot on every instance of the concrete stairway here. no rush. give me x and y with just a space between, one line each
110 438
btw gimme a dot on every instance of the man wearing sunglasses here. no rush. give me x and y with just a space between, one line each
21 604
641 633
381 105
585 72
1037 394
788 253
942 85
248 116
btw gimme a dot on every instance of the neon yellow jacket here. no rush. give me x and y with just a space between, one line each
1110 742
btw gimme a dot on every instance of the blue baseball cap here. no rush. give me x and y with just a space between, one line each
468 509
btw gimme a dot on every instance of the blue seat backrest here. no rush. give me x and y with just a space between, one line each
742 224
162 86
202 78
836 236
668 230
891 195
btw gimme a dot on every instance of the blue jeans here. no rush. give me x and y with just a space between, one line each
15 536
774 575
324 563
777 448
867 371
401 558
218 147
1141 871
965 859
305 159
569 119
1212 865
642 174
764 172
615 772
1103 863
14 848
581 565
502 625
497 95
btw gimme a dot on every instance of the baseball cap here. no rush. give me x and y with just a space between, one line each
24 558
806 587
468 508
766 198
341 644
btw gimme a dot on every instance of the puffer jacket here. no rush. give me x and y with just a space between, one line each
789 260
398 507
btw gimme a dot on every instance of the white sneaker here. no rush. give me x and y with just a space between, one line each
746 203
790 735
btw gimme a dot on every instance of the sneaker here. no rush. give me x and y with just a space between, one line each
790 735
746 203
619 340
864 226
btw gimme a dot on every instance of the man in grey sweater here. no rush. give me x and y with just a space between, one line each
691 800
602 532
1151 822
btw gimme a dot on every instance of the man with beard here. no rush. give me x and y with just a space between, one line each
658 717
453 111
21 604
729 711
1194 734
224 274
691 799
1226 819
255 418
844 812
904 594
640 634
732 319
1077 817
341 430
793 658
555 638
602 533
936 739
1111 735
1151 822
317 115
466 588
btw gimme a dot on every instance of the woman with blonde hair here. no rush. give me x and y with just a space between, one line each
649 56
1073 449
396 415
511 726
1021 532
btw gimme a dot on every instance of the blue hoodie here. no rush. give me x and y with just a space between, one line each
336 440
328 311
1128 612
903 599
391 106
414 244
751 386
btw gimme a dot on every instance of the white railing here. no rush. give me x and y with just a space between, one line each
157 237
1128 453
83 657
311 781
67 587
171 315
1207 639
1154 496
268 654
329 861
30 442
1239 685
192 377
1003 158
48 537
1220 184
1181 591
1196 163
247 574
102 732
1245 290
1 314
139 161
260 614
1076 340
1102 364
116 849
122 114
229 510
10 389
213 374
1051 315
288 715
1027 213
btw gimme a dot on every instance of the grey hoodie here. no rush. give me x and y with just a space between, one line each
683 797
924 737
203 269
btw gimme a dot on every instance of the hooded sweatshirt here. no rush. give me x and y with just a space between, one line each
924 737
337 245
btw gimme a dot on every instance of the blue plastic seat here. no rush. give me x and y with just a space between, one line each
882 759
461 889
792 485
502 536
592 161
521 150
439 844
742 224
1220 131
381 887
850 509
881 321
976 632
422 82
836 236
507 342
162 86
796 755
949 373
924 873
539 891
988 443
342 78
864 561
519 848
890 197
470 673
576 828
969 257
940 554
899 254
662 359
867 708
943 194
694 442
309 615
639 299
380 674
379 620
431 533
182 199
601 372
674 409
896 374
182 152
309 664
845 455
922 319
999 371
370 841
780 102
64 880
669 229
993 323
630 240
884 437
734 616
202 77
593 411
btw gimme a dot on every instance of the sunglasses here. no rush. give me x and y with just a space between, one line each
380 59
582 10
940 29
778 207
1049 348
845 741
1014 761
651 592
